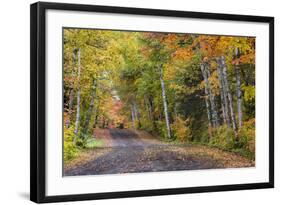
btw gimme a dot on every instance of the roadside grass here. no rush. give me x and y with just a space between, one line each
93 143
72 152
240 151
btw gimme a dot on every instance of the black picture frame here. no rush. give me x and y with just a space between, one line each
38 101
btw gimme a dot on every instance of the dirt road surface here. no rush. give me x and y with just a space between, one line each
129 151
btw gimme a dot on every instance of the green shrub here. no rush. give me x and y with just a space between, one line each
147 126
223 137
161 129
70 151
244 144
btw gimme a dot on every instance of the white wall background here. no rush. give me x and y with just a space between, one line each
14 101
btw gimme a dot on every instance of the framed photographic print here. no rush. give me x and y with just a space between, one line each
129 102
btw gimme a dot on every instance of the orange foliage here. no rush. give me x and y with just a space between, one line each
183 54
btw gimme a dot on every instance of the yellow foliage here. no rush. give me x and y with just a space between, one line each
183 54
181 129
213 79
169 71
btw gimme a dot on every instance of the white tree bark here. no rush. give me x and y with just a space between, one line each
223 95
238 89
212 98
77 121
133 116
137 114
165 103
232 113
71 94
206 97
214 114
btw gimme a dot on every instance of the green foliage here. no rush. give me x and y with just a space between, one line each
70 150
222 137
249 100
244 144
161 129
249 93
147 125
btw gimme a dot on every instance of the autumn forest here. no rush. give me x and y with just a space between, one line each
149 101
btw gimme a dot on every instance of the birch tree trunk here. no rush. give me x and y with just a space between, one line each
91 106
223 107
223 95
165 103
137 114
212 98
206 97
238 88
77 121
232 114
214 114
71 94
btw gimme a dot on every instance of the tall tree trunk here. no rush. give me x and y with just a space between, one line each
77 121
91 106
148 108
223 107
212 98
206 87
165 103
238 88
206 74
137 114
232 114
206 97
223 95
71 93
